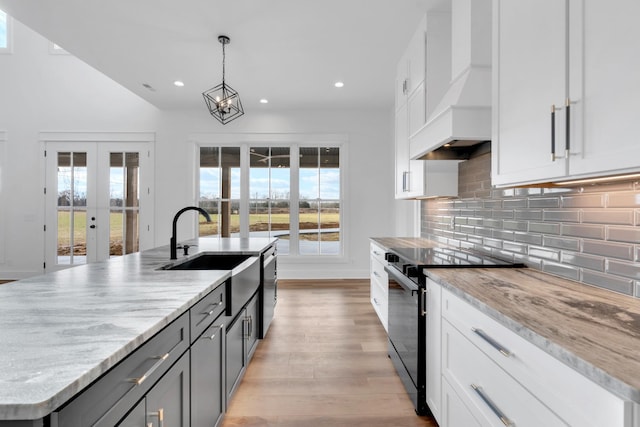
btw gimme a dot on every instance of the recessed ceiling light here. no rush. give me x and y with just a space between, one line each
264 101
338 84
178 83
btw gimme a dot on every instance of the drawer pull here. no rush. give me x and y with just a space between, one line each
377 253
494 408
375 301
375 273
217 304
482 334
155 366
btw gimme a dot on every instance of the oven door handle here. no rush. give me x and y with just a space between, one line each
402 280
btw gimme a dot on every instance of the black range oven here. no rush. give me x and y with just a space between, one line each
407 308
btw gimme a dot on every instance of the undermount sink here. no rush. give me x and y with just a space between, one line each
209 262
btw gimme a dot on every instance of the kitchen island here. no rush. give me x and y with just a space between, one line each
62 331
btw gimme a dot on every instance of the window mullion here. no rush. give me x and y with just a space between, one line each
294 220
244 191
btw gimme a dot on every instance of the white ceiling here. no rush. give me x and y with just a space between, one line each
287 51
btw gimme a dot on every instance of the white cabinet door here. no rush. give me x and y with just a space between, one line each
604 86
454 411
529 77
416 57
402 152
434 348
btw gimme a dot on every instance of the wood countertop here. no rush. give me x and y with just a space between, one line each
592 330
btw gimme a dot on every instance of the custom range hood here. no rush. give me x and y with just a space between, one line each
462 118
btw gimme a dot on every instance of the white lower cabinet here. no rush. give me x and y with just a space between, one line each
493 397
379 284
434 340
454 411
498 374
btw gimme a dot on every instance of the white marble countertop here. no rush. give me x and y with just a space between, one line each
61 331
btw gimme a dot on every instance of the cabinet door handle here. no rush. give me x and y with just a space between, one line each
494 408
375 273
553 132
213 335
405 181
423 312
495 344
160 415
567 141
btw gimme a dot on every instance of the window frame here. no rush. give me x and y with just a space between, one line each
9 48
294 142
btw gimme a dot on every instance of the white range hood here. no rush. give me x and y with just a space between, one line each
462 118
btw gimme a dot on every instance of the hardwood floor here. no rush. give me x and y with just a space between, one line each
323 364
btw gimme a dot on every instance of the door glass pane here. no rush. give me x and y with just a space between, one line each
71 208
124 212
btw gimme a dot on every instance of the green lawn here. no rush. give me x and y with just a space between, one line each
257 222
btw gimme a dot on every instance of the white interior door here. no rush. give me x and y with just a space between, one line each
95 208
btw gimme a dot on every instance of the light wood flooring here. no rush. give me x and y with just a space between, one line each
323 364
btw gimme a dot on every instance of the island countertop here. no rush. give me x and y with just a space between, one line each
61 331
592 330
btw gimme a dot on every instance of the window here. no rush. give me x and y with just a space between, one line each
269 194
293 193
319 206
5 33
220 191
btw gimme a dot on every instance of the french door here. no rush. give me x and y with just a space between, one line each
97 201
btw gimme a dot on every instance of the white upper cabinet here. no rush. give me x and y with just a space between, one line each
604 87
548 53
419 85
410 113
529 69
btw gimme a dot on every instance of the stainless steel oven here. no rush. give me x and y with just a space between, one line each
407 308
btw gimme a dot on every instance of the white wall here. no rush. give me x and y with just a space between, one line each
44 92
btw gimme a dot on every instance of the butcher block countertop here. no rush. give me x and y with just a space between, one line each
592 330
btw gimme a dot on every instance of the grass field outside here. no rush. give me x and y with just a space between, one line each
257 222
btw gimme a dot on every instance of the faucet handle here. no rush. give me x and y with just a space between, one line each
185 248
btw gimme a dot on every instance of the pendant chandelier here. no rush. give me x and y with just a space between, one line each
222 100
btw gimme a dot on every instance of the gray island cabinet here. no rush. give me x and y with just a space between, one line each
126 343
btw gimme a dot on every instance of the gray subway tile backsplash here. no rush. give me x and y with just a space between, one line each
623 234
607 281
609 216
608 249
587 231
589 234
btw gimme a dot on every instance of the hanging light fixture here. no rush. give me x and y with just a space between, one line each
222 100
